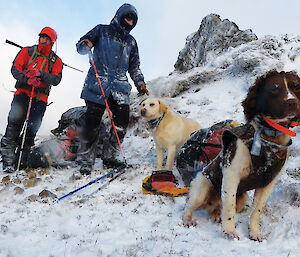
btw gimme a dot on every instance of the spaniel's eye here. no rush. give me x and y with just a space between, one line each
143 105
295 87
151 105
275 88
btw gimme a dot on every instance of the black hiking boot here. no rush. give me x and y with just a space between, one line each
8 169
112 163
86 169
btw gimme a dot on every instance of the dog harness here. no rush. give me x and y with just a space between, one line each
264 167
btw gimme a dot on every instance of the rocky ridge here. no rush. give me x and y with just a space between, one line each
214 37
219 49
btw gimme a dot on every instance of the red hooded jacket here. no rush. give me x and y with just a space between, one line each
41 63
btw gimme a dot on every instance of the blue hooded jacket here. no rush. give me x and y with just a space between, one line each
115 52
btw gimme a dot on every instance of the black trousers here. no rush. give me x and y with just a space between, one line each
90 129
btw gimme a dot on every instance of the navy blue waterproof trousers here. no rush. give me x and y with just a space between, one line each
16 118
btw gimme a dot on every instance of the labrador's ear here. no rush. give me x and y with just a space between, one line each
162 106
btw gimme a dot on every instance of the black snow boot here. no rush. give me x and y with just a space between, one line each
86 170
8 169
112 163
8 147
29 142
109 155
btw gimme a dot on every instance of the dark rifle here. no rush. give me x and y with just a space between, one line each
14 44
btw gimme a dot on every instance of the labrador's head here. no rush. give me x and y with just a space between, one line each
152 108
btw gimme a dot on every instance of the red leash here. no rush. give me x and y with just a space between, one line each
97 76
279 127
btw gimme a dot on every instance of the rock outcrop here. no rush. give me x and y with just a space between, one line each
219 50
213 37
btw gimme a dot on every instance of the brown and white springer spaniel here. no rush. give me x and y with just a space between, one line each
252 156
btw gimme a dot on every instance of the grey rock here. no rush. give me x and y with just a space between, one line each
31 182
19 190
6 180
213 37
32 198
47 194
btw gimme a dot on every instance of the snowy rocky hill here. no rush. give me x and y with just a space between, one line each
210 80
219 50
213 38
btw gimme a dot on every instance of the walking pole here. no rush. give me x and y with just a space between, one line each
106 103
64 64
24 129
119 170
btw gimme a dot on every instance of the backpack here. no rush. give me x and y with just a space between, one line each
51 58
55 152
61 150
200 149
162 182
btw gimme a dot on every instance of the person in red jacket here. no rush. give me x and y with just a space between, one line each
36 69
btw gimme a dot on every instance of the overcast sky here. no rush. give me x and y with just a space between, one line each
161 31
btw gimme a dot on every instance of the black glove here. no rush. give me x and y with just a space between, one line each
142 90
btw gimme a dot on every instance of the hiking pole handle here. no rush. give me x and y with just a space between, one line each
12 43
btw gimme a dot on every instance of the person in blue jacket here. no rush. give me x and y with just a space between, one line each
115 52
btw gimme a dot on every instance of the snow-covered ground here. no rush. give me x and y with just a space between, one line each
119 220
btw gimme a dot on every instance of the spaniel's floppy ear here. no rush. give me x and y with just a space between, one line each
162 106
250 102
295 81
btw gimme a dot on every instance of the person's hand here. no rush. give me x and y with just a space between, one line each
84 46
32 73
142 90
87 44
33 77
34 81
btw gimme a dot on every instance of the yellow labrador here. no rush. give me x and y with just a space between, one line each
171 130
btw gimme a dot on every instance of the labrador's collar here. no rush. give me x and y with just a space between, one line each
155 123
